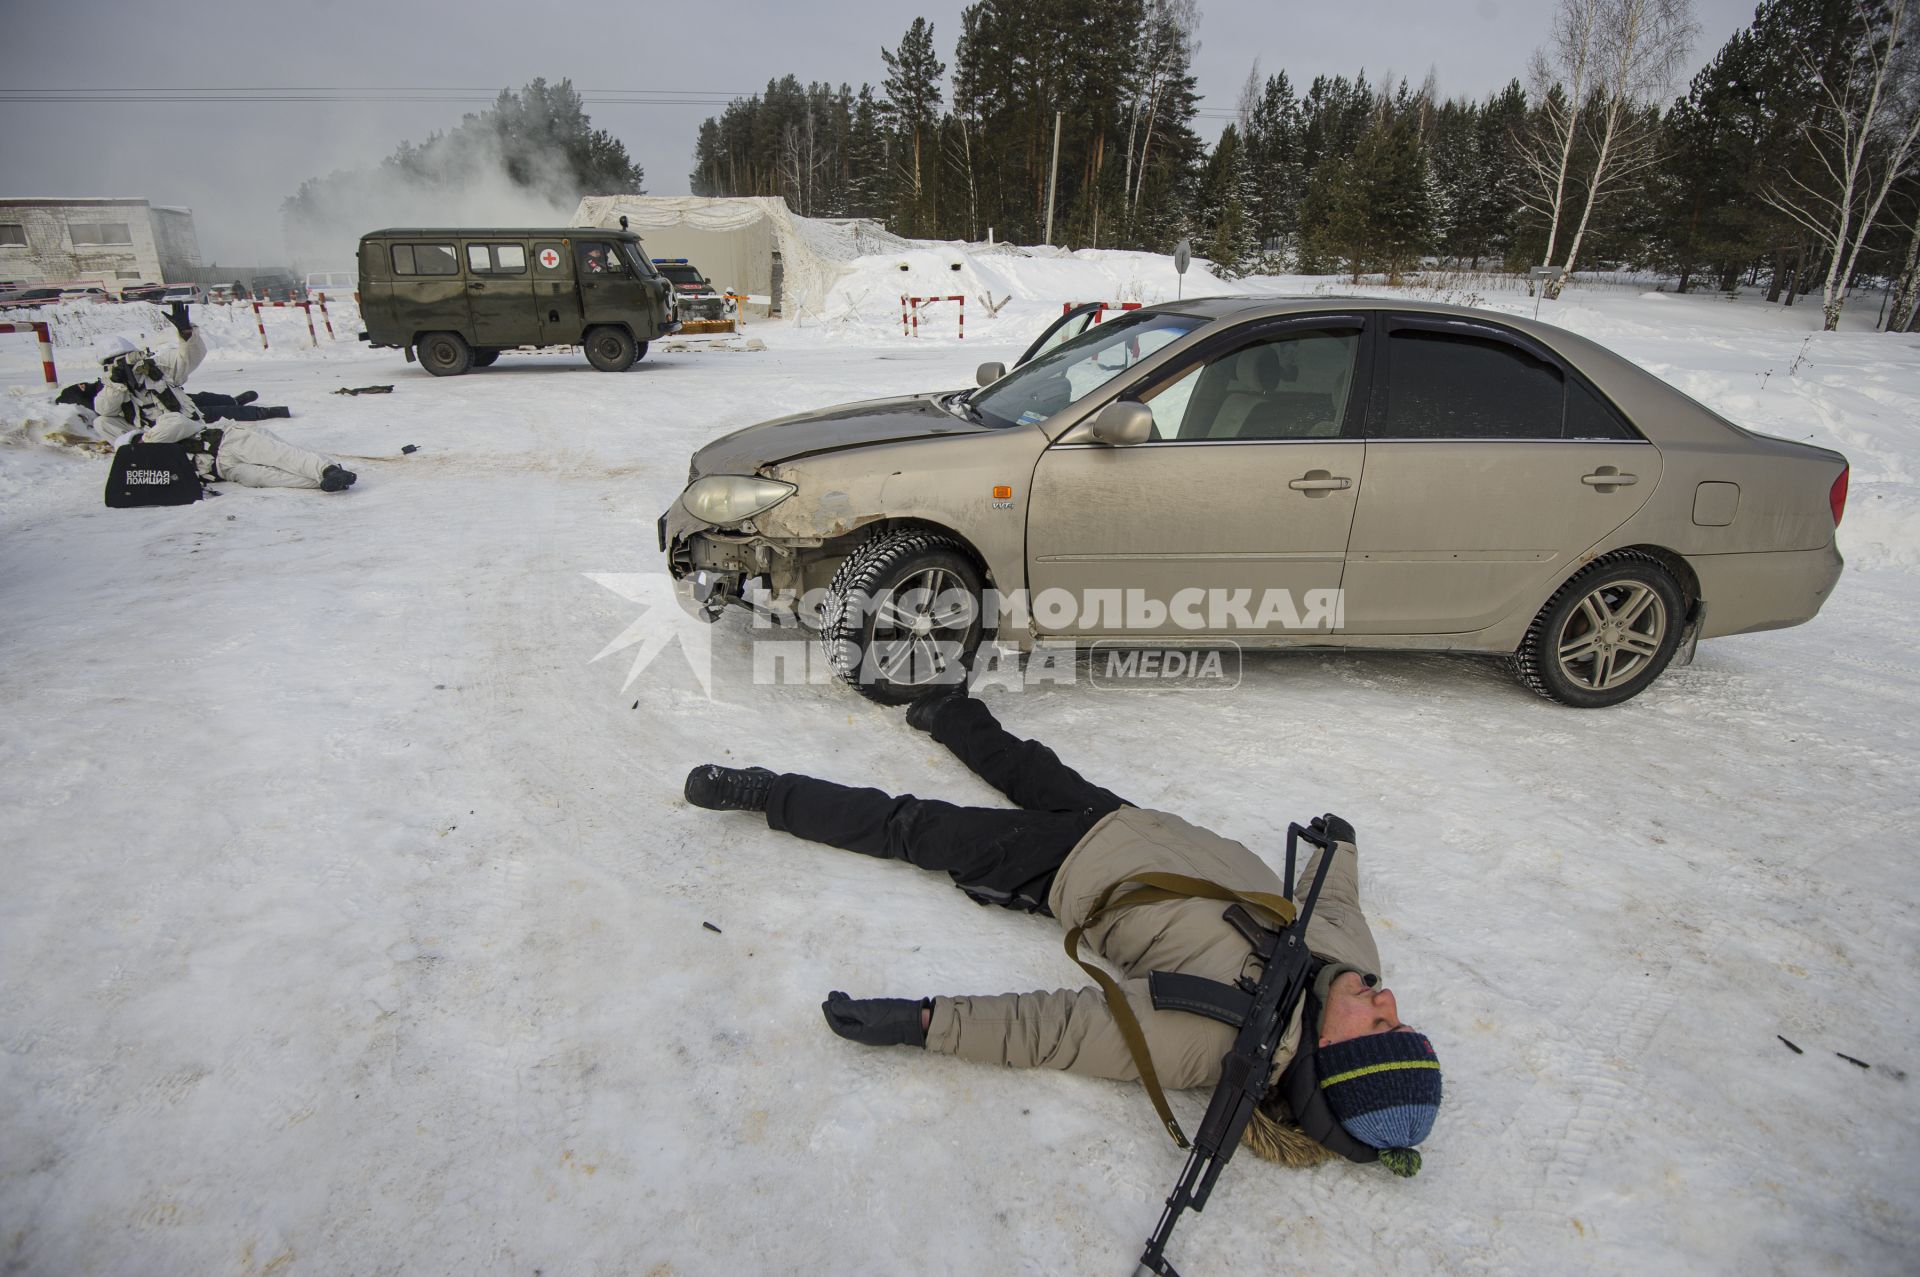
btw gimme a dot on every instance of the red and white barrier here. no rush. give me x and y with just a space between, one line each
44 331
322 299
1101 314
260 322
910 313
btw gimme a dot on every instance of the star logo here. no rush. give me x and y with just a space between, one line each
663 623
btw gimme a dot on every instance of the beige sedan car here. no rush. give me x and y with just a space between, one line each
1325 472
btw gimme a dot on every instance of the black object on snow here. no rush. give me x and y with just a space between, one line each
1790 1046
145 474
710 927
410 448
364 390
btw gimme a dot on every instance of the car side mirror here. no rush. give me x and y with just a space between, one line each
1121 423
987 374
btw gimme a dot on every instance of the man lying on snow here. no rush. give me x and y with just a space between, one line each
213 405
150 386
1349 1077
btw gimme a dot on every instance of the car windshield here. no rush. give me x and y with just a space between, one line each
682 274
1075 369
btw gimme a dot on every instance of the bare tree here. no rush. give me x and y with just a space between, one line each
1559 74
1865 137
1640 45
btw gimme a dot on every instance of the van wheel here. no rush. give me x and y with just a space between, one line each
610 349
903 614
639 351
485 358
445 354
1605 635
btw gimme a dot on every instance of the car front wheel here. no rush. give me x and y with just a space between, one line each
610 349
1605 635
903 615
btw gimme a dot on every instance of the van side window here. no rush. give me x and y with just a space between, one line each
510 259
425 259
597 257
477 259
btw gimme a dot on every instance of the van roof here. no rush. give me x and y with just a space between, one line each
524 232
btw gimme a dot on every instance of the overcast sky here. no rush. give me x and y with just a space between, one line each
232 163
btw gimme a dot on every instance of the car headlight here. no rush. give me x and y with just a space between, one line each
726 499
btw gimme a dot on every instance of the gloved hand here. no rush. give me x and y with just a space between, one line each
1334 828
876 1021
177 316
120 372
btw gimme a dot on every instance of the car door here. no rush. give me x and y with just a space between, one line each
500 294
1072 322
610 291
429 294
1232 519
1492 466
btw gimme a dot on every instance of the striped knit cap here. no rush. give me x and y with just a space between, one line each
1384 1087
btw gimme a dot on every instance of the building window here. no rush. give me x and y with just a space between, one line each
13 235
99 233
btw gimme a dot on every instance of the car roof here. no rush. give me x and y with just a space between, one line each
520 232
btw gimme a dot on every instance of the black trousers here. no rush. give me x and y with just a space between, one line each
995 855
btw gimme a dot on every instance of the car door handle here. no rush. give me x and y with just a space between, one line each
1607 477
476 285
1319 481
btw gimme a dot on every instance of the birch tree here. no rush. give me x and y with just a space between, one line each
1864 138
1639 44
1559 76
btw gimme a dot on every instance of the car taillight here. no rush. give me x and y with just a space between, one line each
1837 495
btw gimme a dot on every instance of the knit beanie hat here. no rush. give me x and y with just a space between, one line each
1385 1090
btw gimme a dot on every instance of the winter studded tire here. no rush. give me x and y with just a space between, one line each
1605 635
902 615
445 354
610 349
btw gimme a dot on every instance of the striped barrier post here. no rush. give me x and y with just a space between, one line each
261 324
312 336
43 333
328 319
913 304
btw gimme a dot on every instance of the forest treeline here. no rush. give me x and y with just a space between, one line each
1791 161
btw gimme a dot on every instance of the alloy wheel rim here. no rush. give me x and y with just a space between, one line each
1612 636
920 627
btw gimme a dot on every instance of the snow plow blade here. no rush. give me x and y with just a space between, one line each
698 327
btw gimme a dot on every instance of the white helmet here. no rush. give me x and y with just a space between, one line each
116 347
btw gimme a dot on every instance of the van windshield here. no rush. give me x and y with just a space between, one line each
1075 369
637 257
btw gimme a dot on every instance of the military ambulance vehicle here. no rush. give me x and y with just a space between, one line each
457 298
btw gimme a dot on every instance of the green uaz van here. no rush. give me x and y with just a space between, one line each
458 298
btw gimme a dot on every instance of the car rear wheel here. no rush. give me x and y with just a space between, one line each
1605 635
903 615
445 354
610 349
484 358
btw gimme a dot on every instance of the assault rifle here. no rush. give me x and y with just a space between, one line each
1244 1070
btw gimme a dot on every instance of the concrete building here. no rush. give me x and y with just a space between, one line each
111 242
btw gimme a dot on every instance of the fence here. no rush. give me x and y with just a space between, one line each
1101 314
259 320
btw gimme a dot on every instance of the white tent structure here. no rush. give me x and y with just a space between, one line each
752 245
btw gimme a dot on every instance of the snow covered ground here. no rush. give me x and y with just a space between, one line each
352 918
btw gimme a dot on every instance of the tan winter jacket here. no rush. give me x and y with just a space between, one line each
1075 1030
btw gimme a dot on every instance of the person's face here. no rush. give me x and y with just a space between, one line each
1353 1010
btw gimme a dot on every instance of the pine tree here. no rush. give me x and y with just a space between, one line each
912 108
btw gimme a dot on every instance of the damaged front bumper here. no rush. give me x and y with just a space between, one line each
716 568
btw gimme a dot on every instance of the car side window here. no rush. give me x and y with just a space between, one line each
1289 385
598 257
1458 386
1588 417
510 259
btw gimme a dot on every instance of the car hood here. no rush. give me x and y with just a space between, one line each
852 425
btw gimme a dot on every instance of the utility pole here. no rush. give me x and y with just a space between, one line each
1053 173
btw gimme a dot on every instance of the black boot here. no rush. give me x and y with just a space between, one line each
335 479
720 788
925 707
246 397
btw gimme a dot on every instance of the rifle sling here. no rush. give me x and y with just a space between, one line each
1157 888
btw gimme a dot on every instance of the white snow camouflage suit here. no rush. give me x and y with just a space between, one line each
248 455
